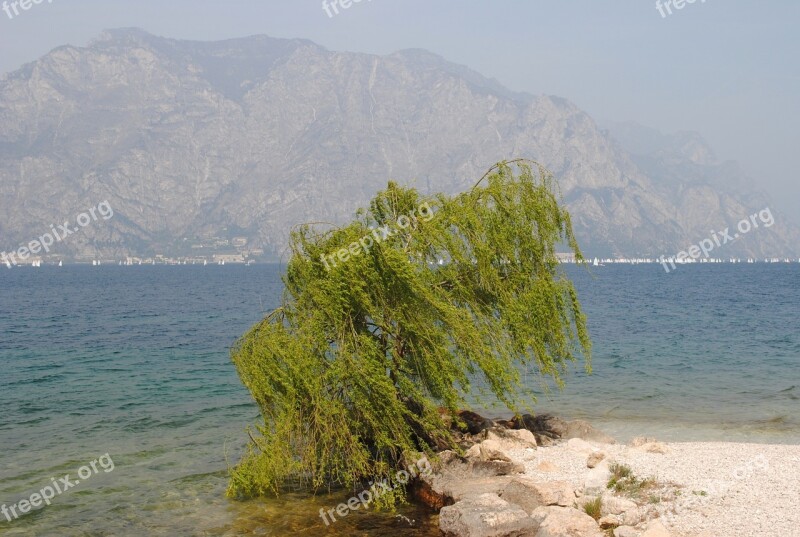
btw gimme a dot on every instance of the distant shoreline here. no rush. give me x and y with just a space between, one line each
594 262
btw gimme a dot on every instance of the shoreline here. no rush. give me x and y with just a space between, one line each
520 482
625 429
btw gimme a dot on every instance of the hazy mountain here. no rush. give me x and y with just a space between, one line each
246 137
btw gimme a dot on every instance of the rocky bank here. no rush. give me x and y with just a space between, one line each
546 477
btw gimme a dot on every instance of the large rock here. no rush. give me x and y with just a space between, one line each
614 505
634 517
656 529
608 522
455 478
485 515
547 428
474 423
625 531
564 522
531 495
492 450
512 438
596 480
497 468
585 431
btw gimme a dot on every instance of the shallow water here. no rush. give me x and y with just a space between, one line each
133 362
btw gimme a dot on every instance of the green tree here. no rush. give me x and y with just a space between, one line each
375 335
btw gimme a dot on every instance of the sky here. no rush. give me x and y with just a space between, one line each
729 70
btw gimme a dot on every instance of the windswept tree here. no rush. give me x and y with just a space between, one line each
407 310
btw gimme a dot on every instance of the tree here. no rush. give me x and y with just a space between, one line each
402 312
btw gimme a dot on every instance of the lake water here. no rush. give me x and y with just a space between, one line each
133 362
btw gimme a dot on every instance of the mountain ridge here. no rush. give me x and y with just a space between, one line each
191 141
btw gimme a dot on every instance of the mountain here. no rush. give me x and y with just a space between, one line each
195 143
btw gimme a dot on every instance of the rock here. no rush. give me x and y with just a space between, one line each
656 529
530 495
454 479
564 522
584 430
474 423
545 441
579 445
650 445
614 505
474 452
596 480
545 428
625 531
634 517
595 458
608 521
508 424
642 440
654 447
547 466
491 450
497 468
512 438
485 515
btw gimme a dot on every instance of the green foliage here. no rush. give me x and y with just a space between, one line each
350 372
623 481
594 508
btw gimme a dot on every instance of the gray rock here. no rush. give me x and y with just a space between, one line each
564 522
614 505
497 468
485 515
531 495
492 450
511 438
596 480
625 531
656 529
545 428
585 431
454 478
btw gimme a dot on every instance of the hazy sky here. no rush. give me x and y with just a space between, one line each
728 69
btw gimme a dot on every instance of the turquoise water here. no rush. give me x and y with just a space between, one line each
133 362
